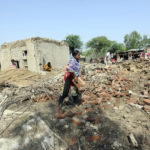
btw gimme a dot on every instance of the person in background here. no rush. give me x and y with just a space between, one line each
71 75
133 55
91 60
143 54
107 58
148 55
48 67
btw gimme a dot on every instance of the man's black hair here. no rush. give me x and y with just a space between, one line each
75 52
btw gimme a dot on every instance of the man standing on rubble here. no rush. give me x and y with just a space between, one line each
107 58
71 76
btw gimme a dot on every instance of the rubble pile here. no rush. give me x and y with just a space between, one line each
105 86
118 94
141 81
112 114
111 96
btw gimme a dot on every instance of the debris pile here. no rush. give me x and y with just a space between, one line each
113 113
117 94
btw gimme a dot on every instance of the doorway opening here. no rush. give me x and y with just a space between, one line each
17 63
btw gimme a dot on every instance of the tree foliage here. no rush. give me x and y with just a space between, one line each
87 52
99 46
144 42
74 42
132 40
117 47
98 43
135 40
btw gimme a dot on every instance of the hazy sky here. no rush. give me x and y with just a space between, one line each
56 19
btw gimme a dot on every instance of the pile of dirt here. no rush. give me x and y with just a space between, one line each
23 78
113 113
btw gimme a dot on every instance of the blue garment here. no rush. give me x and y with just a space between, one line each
74 66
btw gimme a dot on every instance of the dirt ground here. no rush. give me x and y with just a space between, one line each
23 78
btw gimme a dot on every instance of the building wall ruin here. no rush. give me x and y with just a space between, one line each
33 53
57 54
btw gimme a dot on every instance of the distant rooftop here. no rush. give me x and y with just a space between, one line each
135 50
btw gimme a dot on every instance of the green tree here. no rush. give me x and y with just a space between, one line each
132 40
98 43
74 42
144 42
87 52
117 47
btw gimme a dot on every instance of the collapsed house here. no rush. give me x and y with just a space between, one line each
33 53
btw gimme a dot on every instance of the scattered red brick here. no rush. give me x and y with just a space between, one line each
117 104
147 101
93 119
121 78
147 85
147 108
94 102
70 114
132 100
104 107
76 121
79 113
41 98
93 138
60 116
89 109
85 98
73 141
101 107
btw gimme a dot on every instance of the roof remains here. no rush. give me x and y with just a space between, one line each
22 43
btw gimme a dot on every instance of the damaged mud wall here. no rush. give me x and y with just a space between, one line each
56 53
32 54
16 50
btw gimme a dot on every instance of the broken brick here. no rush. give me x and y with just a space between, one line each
147 101
70 114
117 104
93 119
93 138
73 141
89 109
85 98
79 113
147 108
132 100
60 116
76 121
